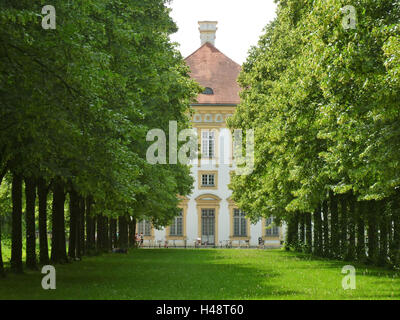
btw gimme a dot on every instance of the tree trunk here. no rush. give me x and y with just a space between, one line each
343 226
95 222
81 242
317 232
302 238
16 232
113 233
102 237
106 232
293 232
90 228
103 234
289 234
350 256
325 223
54 231
98 233
296 222
2 274
360 220
372 232
73 224
134 232
335 243
58 252
30 197
110 235
308 232
78 246
395 245
43 242
390 224
123 232
383 234
131 233
61 221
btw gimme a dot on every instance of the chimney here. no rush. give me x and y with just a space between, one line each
207 31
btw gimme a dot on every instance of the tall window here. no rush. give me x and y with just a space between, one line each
239 223
176 228
271 229
207 180
208 144
144 226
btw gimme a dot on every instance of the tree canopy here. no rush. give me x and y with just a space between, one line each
323 99
77 101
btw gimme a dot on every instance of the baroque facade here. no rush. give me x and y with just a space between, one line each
209 217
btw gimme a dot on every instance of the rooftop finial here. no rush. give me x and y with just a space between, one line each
208 30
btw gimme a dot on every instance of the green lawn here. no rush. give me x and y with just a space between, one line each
203 274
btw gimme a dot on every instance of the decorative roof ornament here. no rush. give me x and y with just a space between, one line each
208 31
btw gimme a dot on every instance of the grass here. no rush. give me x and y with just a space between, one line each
204 274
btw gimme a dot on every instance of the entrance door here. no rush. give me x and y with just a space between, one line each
208 226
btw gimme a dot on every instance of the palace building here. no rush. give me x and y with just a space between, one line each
209 217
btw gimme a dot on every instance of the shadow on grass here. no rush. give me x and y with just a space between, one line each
361 268
153 274
192 274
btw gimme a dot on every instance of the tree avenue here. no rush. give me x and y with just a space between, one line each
324 102
77 100
76 103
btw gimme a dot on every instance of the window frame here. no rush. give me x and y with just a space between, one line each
208 144
173 228
183 205
207 179
269 232
208 91
144 224
241 219
232 206
200 175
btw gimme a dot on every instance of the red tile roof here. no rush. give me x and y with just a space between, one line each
211 68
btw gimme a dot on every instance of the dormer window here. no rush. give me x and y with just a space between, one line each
208 90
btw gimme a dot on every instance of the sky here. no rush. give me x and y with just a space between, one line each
240 24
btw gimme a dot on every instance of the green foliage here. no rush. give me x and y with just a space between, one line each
77 101
324 101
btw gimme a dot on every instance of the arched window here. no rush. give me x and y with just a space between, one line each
208 90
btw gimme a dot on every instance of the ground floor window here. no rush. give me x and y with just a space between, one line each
176 228
239 223
271 229
208 226
144 226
